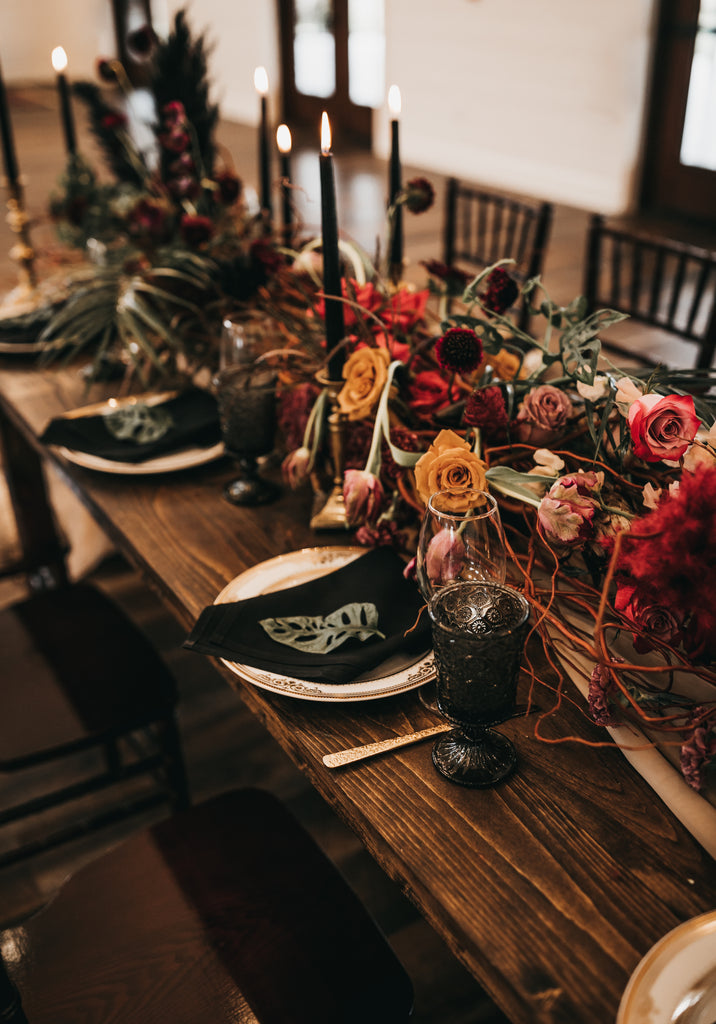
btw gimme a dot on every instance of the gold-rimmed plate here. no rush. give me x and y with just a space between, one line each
183 458
396 675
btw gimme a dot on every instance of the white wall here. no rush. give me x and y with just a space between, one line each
545 98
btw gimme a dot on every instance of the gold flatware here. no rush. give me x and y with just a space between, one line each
353 754
366 750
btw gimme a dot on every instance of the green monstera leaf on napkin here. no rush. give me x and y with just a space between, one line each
320 634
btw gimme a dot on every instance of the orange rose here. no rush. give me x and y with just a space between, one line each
505 364
365 373
449 464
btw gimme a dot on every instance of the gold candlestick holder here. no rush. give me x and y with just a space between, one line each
22 251
333 514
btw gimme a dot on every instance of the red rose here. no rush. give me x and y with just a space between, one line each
428 392
662 426
658 621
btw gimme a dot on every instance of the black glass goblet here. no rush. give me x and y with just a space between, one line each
247 413
479 631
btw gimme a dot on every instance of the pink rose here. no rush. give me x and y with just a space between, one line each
363 496
698 752
542 416
566 513
662 426
663 623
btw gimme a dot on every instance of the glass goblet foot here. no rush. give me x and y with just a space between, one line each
249 488
476 757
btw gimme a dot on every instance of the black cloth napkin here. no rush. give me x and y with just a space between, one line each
195 423
232 631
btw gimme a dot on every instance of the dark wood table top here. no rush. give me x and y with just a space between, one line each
549 888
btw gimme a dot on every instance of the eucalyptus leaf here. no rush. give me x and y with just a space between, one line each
317 634
514 484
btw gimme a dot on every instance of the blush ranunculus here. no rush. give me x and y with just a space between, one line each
449 464
362 495
365 373
542 416
662 426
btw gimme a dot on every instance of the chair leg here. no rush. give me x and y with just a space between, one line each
173 763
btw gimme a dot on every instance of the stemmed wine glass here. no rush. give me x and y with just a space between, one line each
246 396
479 630
461 540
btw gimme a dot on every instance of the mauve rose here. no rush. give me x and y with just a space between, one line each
657 621
662 426
542 416
362 495
444 558
696 754
566 513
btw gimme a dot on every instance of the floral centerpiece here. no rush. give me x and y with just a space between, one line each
606 478
171 240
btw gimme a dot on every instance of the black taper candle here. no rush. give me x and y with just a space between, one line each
396 248
335 328
68 121
8 143
265 158
286 175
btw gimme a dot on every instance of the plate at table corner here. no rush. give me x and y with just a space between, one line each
396 675
183 458
657 990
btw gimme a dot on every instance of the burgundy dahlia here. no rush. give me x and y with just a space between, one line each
196 230
459 350
501 292
486 410
419 195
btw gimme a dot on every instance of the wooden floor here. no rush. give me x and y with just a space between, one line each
224 745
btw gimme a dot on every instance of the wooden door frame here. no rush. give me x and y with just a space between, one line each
668 186
347 119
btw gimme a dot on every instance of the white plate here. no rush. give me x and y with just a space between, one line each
183 458
658 987
397 675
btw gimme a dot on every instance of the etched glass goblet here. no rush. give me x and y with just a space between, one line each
246 397
461 539
479 630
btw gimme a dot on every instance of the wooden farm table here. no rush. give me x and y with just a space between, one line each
549 888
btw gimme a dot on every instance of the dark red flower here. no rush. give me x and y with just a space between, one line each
486 409
501 292
459 350
407 441
455 279
149 222
184 164
114 121
265 255
419 195
195 229
427 393
176 140
230 187
173 113
185 186
294 408
600 687
699 750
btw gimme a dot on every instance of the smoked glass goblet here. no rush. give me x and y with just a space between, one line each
461 539
246 398
479 631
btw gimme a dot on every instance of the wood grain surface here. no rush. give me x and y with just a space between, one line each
549 888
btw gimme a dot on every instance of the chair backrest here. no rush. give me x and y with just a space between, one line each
481 227
657 281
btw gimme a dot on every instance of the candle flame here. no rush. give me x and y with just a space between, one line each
59 59
261 81
283 138
394 103
325 134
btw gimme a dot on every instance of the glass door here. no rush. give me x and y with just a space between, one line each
680 166
333 56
